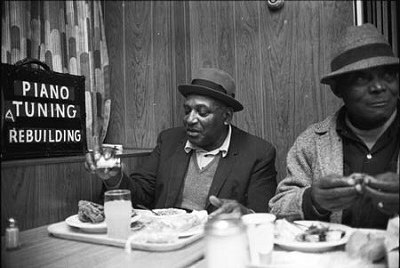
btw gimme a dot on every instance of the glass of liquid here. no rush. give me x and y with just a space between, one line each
117 211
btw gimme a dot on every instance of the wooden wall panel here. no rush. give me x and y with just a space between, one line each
162 114
298 41
139 121
114 17
278 65
45 191
248 67
203 35
334 16
181 60
225 31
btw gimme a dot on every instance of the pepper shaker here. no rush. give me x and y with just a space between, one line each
12 234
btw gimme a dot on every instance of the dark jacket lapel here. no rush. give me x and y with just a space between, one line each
225 166
177 175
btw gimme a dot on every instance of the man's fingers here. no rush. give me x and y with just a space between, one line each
335 193
217 212
89 163
333 181
96 148
228 207
380 195
386 186
90 169
216 202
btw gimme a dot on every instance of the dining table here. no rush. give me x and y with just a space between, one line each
39 247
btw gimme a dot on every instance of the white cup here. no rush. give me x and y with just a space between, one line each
260 232
117 211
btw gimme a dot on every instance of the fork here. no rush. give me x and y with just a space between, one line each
146 208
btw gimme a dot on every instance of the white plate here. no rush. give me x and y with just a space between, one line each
147 217
91 227
198 229
316 246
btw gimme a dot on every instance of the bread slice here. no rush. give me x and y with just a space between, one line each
90 212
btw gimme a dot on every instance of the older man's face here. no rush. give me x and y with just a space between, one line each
204 121
370 96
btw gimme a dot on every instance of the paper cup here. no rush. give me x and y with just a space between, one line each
260 232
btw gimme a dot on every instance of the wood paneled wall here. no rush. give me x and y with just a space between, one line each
44 191
276 57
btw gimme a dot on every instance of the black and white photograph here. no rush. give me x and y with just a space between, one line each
200 134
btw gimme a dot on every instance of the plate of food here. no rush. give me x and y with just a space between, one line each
168 231
310 236
91 219
168 228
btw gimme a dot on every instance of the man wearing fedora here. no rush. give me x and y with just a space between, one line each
345 169
206 159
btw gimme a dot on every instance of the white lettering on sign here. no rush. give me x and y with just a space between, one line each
44 135
44 91
46 110
9 116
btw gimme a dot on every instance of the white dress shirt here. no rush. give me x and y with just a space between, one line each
205 157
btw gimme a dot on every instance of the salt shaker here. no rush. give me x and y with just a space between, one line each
226 243
12 234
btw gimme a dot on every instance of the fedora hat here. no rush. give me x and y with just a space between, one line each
358 48
213 83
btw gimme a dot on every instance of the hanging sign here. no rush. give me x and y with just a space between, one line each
43 113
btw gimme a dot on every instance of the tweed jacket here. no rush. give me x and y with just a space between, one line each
247 173
317 152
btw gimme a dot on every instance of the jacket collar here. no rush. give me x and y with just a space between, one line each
224 148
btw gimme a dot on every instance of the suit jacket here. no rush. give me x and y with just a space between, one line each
247 173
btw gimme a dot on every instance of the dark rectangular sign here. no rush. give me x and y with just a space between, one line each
43 113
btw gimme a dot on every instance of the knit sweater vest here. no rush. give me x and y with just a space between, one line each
198 183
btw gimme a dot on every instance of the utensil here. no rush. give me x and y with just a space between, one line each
146 208
298 225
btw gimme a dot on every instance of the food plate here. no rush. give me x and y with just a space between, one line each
316 246
199 229
91 227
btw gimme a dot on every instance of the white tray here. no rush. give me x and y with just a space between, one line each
63 230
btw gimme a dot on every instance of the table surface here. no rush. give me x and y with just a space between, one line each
41 249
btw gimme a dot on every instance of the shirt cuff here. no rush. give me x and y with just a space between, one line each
313 211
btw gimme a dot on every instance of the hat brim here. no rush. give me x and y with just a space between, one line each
205 91
358 66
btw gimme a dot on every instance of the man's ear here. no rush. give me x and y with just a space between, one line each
228 115
336 89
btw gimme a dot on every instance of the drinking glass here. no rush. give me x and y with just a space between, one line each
118 210
260 232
